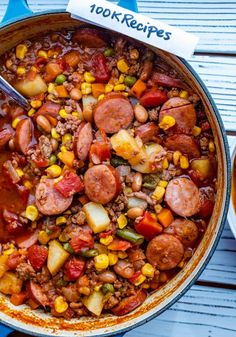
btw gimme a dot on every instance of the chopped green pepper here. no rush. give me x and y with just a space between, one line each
130 80
130 236
89 253
68 248
116 161
60 79
52 159
150 181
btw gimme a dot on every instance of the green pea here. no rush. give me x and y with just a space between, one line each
52 159
60 79
107 288
130 80
108 52
68 248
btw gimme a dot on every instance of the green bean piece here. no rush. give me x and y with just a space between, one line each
117 161
60 79
130 236
108 52
150 181
68 248
130 80
107 288
89 253
52 159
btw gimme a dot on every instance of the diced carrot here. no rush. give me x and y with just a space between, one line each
18 299
61 91
72 58
33 304
67 158
52 70
84 199
165 217
138 88
98 89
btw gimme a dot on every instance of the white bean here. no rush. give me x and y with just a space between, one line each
137 182
140 113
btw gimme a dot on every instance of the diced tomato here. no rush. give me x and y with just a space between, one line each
52 70
99 152
74 268
206 203
118 244
83 240
128 304
105 234
69 185
100 69
14 260
37 256
31 75
135 276
148 226
205 126
40 61
153 98
41 162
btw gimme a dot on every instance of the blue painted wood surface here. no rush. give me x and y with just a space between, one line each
209 308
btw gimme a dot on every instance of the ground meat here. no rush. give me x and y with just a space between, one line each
43 276
70 292
153 114
45 146
71 124
25 271
204 143
142 196
111 302
79 218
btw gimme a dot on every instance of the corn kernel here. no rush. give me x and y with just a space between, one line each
122 221
76 114
176 157
122 66
158 208
121 78
15 122
60 305
67 137
61 220
126 94
31 112
21 50
63 149
43 53
9 250
122 255
106 241
184 163
100 97
148 270
54 134
31 212
211 146
163 183
183 94
134 54
108 88
113 259
43 237
20 70
86 88
101 262
28 184
19 172
145 286
139 280
196 130
53 171
165 163
98 287
34 224
158 193
51 88
167 122
154 215
36 104
119 87
88 77
35 69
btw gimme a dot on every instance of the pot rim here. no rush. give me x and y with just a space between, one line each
232 212
227 164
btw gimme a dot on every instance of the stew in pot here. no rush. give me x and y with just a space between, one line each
107 182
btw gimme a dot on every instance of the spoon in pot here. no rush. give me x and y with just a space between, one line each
13 93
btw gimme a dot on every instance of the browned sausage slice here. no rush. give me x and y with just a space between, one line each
182 111
90 37
183 197
185 230
147 132
129 303
83 140
48 200
165 251
24 135
5 136
102 183
113 113
183 143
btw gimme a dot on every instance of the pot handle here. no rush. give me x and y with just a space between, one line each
15 9
5 331
129 4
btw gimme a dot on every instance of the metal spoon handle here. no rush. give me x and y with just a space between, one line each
13 93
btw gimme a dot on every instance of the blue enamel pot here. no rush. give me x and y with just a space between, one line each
20 23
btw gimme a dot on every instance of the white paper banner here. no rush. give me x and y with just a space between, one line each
153 32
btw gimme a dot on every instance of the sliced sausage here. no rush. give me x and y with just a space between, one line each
165 251
5 136
48 200
90 37
183 197
113 113
36 292
185 230
147 132
129 303
182 111
48 109
167 81
24 135
183 143
83 140
102 183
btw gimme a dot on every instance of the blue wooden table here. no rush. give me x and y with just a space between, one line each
208 309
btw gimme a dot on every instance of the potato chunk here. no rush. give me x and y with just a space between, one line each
148 164
10 284
94 302
3 264
57 256
31 88
96 216
203 166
